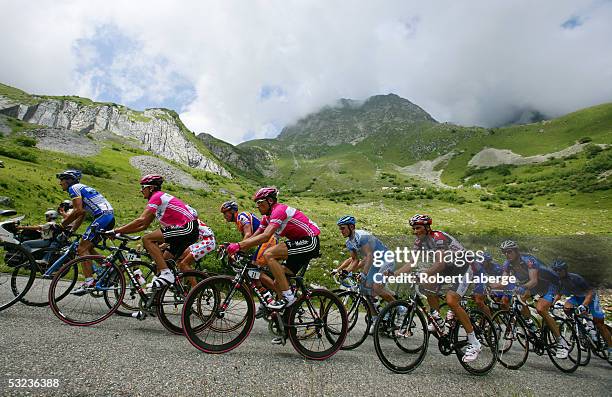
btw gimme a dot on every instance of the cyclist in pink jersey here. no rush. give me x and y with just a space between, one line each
179 226
301 244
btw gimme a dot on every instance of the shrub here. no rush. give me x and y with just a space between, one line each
515 204
89 168
585 139
17 153
25 141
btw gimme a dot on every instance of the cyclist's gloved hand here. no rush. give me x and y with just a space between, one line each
581 309
520 290
233 248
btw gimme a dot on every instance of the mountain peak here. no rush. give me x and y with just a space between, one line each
350 121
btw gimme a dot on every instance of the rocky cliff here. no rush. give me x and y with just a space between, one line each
159 130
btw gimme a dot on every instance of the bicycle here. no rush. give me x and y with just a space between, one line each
517 339
108 294
403 348
219 313
589 337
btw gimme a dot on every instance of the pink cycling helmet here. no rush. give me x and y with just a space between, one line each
265 192
152 179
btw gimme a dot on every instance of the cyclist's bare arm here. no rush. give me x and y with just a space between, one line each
354 263
367 259
258 238
138 224
247 231
77 215
588 297
533 279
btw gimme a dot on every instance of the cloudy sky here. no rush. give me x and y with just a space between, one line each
244 69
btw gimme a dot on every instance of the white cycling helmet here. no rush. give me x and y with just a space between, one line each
51 215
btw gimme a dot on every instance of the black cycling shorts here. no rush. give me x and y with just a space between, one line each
180 237
301 251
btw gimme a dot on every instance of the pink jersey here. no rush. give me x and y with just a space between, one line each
290 222
169 210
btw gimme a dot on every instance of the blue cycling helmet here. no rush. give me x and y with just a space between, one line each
558 265
346 220
69 174
487 257
229 205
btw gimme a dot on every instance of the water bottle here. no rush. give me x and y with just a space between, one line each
140 280
590 327
98 269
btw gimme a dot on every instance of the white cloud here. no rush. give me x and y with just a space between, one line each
470 63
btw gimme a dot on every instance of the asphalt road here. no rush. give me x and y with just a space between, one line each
126 357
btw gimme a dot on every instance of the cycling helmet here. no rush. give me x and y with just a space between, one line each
51 215
265 192
508 244
419 219
558 265
66 205
487 257
69 174
229 205
152 180
346 220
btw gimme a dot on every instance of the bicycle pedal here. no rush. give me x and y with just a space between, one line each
139 315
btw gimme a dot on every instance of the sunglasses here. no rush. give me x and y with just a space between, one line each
144 187
507 251
260 201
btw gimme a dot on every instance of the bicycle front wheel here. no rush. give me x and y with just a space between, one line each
317 324
401 337
359 318
568 338
218 315
485 332
91 306
513 343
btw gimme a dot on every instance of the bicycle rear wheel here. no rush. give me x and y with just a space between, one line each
91 307
218 315
17 274
131 300
317 324
359 318
401 337
170 299
38 293
485 332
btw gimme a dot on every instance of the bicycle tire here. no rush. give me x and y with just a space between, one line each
93 306
568 333
357 331
203 322
24 263
404 333
325 310
511 333
177 299
484 329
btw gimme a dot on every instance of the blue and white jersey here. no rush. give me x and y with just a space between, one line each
362 239
528 262
93 202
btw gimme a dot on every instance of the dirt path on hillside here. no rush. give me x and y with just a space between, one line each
424 169
490 157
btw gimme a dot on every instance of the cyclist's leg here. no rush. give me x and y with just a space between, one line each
480 300
378 289
453 300
543 308
598 320
273 256
151 242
